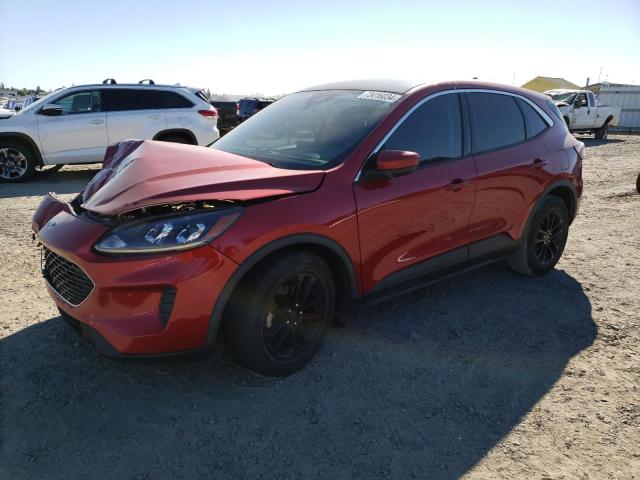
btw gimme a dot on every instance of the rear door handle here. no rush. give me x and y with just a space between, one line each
154 117
96 122
538 163
456 184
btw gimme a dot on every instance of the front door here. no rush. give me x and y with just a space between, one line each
79 135
408 220
582 117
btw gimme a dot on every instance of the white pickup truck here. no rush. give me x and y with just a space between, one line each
582 113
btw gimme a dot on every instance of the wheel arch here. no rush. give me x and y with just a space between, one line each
338 260
566 192
27 140
184 132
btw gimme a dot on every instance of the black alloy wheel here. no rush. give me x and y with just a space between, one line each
279 315
293 321
549 238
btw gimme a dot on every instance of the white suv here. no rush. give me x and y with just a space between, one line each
76 124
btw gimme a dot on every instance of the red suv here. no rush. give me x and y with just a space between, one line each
333 194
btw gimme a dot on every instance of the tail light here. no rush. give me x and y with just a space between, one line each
209 113
237 109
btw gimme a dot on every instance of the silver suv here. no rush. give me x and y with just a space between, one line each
76 124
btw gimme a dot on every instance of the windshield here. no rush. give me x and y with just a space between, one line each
308 130
566 97
42 101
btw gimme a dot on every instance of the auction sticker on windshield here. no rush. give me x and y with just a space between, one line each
380 96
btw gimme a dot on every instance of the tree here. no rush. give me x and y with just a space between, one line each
38 90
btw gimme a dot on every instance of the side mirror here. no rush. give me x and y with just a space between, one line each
393 163
51 110
17 108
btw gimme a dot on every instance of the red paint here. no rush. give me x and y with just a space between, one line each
383 224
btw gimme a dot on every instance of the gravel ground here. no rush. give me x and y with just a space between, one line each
487 375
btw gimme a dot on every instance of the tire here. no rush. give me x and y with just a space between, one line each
544 242
17 162
176 139
262 326
638 183
602 132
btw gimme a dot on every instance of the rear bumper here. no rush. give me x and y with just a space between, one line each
128 312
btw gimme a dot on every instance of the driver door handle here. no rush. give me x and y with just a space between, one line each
96 122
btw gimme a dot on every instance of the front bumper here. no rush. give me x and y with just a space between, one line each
129 308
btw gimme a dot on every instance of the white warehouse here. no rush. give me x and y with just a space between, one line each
621 95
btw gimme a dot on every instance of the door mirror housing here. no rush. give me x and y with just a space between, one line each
393 163
51 110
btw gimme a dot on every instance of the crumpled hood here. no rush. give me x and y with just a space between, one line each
139 173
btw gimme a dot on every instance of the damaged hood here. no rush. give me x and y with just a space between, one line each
140 173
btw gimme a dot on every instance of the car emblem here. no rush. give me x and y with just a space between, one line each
52 224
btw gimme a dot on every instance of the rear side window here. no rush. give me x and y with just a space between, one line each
534 124
496 121
123 99
175 100
433 130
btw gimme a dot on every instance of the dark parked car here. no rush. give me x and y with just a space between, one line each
227 115
250 106
333 194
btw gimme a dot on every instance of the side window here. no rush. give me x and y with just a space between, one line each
175 100
496 121
80 102
581 101
433 130
122 99
534 124
592 99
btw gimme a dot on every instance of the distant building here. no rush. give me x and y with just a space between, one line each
542 84
620 95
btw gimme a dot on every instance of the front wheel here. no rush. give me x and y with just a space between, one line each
544 243
17 162
279 315
602 132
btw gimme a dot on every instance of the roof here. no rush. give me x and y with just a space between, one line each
542 84
597 86
376 85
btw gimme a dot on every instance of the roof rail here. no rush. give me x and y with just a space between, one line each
109 81
148 80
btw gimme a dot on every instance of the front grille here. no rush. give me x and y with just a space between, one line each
66 278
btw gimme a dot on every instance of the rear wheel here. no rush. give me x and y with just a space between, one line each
602 132
279 316
17 162
638 184
544 243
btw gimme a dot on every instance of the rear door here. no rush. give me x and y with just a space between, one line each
511 162
405 221
134 113
179 111
79 135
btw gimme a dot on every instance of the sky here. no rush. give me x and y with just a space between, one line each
279 46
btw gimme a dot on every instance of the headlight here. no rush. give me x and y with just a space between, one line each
168 233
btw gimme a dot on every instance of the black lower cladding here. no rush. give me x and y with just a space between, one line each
65 277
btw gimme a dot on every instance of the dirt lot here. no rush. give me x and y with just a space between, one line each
487 375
